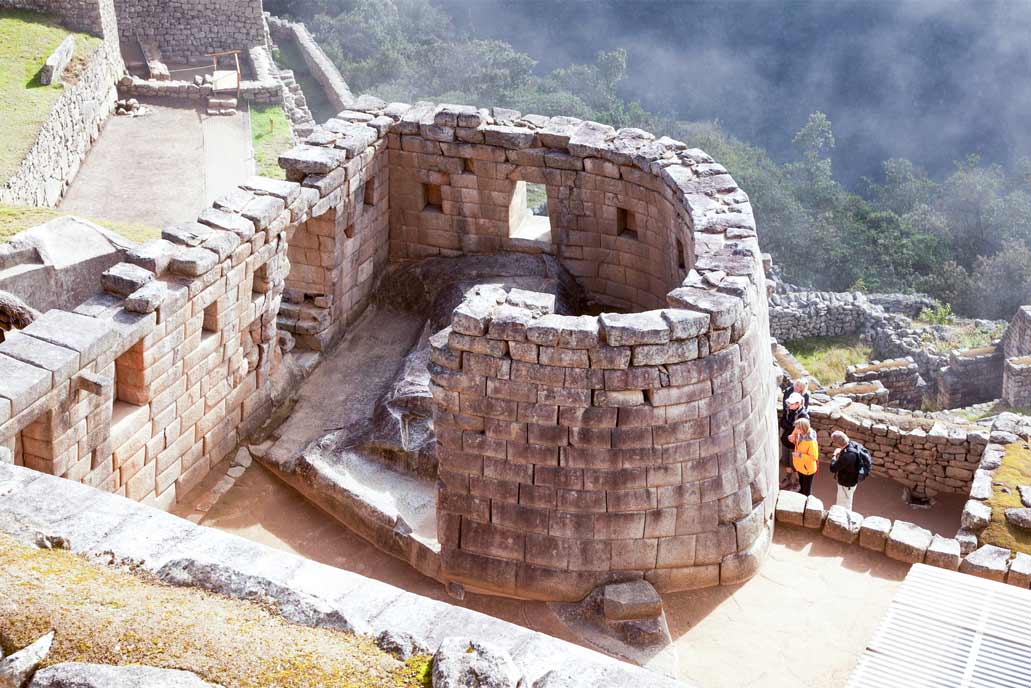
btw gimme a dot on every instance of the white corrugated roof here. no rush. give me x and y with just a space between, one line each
950 630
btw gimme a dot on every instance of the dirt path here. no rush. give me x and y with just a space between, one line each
161 168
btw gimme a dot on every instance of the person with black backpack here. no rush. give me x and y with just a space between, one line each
851 464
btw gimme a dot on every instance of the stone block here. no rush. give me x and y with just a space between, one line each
943 553
908 542
1020 571
124 278
62 362
987 561
193 262
629 329
842 525
187 234
312 159
147 299
814 513
976 515
22 383
153 255
791 508
633 600
90 337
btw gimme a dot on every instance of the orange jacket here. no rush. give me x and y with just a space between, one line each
806 457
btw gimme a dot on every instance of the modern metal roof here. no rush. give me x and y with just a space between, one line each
950 630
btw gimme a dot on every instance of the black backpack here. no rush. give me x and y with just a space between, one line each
864 460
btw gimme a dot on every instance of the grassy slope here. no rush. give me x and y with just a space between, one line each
108 617
827 358
14 219
26 40
1015 470
270 132
289 57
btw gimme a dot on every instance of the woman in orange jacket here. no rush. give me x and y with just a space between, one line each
806 456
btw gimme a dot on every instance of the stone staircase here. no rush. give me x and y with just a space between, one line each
301 120
221 105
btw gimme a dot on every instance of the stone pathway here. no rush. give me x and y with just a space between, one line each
160 168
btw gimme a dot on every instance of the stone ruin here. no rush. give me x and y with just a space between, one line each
571 450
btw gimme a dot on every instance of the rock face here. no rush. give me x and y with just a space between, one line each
17 669
77 675
908 542
461 663
633 600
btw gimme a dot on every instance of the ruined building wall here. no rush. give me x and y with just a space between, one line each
76 119
928 457
141 389
971 377
319 64
187 30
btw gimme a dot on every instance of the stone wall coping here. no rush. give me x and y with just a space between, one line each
104 526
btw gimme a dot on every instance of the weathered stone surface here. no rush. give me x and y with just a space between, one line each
628 329
589 138
153 255
312 159
842 525
908 542
558 679
1020 571
230 222
462 663
632 600
89 336
1020 518
193 262
976 515
508 137
987 561
280 188
814 513
187 234
1025 494
982 485
791 508
78 675
57 61
62 362
147 298
263 210
944 553
967 541
17 669
401 645
221 243
125 278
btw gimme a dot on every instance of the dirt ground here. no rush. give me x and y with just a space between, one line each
163 167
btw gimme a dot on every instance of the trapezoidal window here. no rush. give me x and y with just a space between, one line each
528 214
433 199
626 224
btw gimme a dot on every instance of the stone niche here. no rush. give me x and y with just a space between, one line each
579 450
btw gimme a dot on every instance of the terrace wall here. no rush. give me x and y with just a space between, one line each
75 121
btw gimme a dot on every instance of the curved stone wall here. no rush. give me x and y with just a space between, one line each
579 450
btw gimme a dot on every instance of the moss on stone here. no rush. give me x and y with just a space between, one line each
1015 470
109 617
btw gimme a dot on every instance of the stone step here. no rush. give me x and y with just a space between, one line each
222 103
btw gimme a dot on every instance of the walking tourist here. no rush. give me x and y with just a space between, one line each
806 456
850 465
794 408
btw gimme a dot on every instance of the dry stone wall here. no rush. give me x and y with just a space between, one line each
320 66
187 30
75 121
900 377
972 376
929 457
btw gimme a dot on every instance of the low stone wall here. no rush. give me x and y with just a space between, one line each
926 456
900 377
1016 382
129 86
187 30
972 376
320 66
872 392
75 121
800 315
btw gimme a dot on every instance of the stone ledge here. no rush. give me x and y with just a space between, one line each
109 528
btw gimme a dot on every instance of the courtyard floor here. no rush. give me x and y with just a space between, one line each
161 168
803 621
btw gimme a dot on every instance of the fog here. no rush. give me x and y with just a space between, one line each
931 81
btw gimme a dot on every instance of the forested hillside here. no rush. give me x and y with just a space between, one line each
928 190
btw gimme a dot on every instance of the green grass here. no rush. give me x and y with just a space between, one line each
1015 470
14 219
536 196
961 336
26 41
289 57
827 358
270 132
